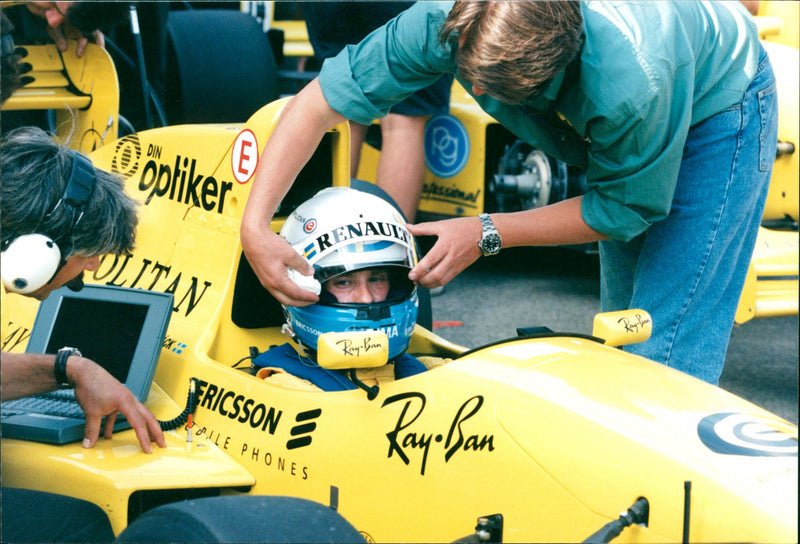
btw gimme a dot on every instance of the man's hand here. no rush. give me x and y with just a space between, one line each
59 28
303 122
561 223
100 394
63 32
455 249
271 257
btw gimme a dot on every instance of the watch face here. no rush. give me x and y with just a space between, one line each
491 244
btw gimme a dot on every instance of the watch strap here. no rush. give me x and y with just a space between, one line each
60 367
490 241
486 222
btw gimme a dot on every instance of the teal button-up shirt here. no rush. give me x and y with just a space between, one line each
647 72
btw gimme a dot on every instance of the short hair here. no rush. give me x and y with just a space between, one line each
35 171
513 50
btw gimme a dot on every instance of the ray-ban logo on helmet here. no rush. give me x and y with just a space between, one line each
310 226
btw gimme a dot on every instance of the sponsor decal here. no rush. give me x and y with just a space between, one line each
17 334
310 226
255 414
452 194
237 407
177 179
127 154
446 145
302 431
636 324
255 454
367 230
390 330
175 346
244 157
309 251
307 328
163 180
152 276
354 349
408 435
733 433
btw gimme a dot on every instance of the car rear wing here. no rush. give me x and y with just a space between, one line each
82 92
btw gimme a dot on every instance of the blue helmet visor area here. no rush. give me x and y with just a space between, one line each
395 318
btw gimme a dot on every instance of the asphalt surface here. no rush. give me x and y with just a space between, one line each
559 288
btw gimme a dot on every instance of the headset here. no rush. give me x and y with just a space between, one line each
31 261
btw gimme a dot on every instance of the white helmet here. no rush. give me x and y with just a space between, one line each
341 230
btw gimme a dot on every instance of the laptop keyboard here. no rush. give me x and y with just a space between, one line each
59 403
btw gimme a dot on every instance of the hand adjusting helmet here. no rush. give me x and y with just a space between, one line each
342 230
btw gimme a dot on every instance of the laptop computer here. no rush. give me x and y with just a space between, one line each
119 328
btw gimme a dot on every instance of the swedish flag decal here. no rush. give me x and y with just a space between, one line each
309 251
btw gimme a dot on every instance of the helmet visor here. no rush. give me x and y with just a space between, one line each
361 254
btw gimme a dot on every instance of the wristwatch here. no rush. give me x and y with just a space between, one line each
60 368
490 243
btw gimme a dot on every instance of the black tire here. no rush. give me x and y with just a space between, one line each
220 67
241 518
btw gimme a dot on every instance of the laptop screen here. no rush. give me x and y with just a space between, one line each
120 329
111 341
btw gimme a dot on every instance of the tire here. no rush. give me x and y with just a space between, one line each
241 518
220 67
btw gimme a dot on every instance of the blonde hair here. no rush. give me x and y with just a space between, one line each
512 50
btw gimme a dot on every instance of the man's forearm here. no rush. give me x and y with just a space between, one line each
24 374
303 123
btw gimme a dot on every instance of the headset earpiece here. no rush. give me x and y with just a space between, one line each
29 263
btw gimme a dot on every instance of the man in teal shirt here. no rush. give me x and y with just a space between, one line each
668 107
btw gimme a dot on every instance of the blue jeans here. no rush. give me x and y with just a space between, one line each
688 270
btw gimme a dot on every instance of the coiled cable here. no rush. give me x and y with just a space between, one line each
191 406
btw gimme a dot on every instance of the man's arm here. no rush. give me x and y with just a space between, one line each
303 123
97 392
26 374
456 246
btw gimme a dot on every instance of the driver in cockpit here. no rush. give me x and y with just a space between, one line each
361 252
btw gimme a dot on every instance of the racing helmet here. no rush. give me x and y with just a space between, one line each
342 230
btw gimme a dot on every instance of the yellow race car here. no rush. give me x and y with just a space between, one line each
543 437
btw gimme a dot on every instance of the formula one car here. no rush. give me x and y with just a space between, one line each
542 437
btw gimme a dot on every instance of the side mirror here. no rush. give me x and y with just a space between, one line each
362 349
623 328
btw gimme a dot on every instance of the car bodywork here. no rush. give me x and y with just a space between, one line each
554 433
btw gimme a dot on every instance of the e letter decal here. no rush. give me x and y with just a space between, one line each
244 157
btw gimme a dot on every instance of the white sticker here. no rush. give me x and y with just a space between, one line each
244 157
